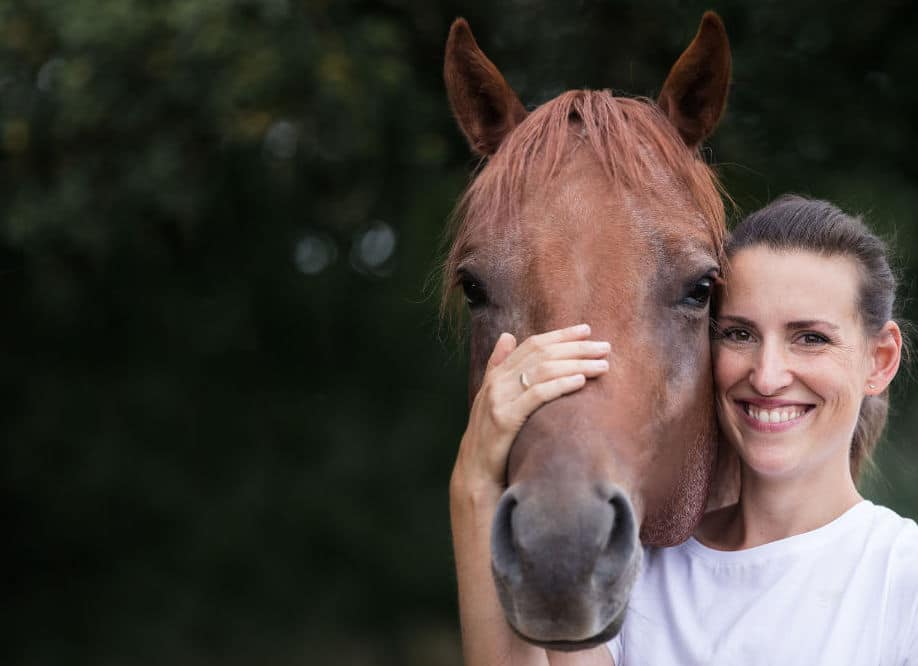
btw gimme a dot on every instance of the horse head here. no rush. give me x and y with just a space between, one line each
600 209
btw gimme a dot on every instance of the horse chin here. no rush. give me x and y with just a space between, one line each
572 626
604 636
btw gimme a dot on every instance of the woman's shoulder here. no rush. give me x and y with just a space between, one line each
883 523
898 535
888 551
892 544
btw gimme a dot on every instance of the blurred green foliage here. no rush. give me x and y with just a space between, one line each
229 410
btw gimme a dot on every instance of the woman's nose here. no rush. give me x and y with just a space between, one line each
771 371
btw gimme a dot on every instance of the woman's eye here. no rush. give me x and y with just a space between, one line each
474 291
813 339
736 335
700 293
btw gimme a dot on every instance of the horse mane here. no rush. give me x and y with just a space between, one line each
630 137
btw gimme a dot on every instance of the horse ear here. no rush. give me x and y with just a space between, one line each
695 92
484 104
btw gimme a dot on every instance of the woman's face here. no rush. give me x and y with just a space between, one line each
791 360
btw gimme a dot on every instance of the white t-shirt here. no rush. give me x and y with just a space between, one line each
845 594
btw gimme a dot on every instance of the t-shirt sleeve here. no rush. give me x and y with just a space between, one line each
911 640
905 561
910 658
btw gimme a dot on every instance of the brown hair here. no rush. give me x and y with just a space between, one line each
796 223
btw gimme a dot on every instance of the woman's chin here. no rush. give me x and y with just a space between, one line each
770 462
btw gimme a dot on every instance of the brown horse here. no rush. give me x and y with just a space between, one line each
600 209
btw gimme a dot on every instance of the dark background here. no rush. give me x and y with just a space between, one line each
229 412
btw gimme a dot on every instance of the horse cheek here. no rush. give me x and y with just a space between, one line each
483 338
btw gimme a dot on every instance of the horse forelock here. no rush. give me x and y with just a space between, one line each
634 144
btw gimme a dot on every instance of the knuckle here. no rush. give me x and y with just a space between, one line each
495 413
488 394
501 418
544 354
543 392
548 368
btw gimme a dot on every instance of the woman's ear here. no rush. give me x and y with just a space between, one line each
885 356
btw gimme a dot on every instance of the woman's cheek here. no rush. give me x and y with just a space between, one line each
724 369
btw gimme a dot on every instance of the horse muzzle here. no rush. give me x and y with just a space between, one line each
564 560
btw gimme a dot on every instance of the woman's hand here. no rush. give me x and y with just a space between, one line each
517 381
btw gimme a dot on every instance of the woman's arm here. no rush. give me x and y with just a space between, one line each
486 636
555 363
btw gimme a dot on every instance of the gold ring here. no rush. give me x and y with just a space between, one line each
524 381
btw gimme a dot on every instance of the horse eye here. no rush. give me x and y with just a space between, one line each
475 294
700 293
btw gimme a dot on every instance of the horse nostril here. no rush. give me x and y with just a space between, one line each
621 541
623 534
504 556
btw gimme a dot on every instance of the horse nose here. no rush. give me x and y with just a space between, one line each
551 542
618 550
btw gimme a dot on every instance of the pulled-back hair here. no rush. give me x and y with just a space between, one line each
794 223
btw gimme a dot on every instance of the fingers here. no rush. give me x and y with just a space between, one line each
561 359
543 357
579 349
550 370
554 364
504 346
563 343
577 332
538 394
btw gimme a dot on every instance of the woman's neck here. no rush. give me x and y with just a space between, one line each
770 509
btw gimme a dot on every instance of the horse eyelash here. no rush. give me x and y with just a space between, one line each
460 276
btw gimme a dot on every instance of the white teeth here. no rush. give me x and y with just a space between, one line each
778 415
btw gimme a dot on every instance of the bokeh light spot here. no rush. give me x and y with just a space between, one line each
47 74
373 249
314 253
281 139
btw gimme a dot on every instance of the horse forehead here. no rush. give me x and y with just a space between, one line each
584 228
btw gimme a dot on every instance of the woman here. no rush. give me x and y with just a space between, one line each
801 570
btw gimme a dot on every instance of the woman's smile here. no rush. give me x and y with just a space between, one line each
773 415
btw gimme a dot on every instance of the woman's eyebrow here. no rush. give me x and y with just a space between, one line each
792 325
811 323
736 319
